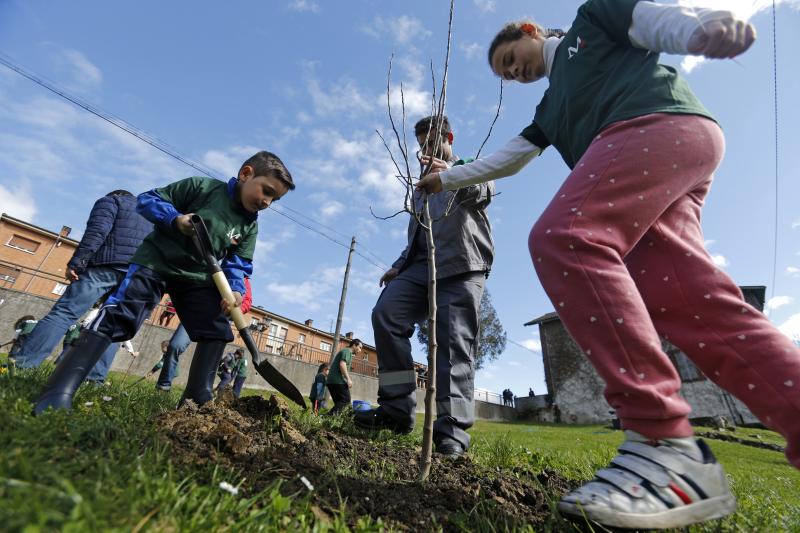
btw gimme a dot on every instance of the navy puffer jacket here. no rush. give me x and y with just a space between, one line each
113 233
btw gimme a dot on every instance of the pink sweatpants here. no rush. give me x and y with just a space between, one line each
620 252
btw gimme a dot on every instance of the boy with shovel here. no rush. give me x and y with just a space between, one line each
167 261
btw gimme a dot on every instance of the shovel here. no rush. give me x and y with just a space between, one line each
271 374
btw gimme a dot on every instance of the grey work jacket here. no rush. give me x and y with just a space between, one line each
463 238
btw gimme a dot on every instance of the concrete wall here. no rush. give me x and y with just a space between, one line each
14 304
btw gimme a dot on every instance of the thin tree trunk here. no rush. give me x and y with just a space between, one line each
430 392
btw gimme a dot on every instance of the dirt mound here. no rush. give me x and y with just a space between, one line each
374 478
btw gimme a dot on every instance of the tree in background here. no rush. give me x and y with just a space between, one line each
492 340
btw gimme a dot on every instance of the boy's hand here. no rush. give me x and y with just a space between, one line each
430 183
388 276
349 383
71 275
226 307
724 38
438 165
183 224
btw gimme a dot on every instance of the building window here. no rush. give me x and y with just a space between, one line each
8 274
21 243
326 346
273 330
269 349
301 339
59 289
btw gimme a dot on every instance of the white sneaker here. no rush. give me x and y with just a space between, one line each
674 483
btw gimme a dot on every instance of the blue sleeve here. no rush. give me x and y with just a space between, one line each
235 269
101 220
155 209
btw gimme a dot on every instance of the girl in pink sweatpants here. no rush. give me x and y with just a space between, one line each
620 251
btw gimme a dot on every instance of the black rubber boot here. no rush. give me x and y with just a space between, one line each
71 371
207 356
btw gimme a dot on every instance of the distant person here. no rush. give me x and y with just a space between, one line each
23 328
531 394
168 262
113 233
239 371
339 382
317 395
225 370
167 314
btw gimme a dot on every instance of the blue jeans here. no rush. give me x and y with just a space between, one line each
238 383
76 300
177 345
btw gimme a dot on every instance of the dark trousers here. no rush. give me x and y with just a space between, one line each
133 301
340 394
238 383
404 303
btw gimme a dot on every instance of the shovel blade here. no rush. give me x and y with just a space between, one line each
271 374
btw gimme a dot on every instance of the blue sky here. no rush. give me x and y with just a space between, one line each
307 79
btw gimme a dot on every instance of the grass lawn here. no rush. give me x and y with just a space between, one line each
104 467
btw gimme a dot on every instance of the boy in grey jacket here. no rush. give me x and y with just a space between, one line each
464 253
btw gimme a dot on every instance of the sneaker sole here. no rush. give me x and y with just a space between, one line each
709 509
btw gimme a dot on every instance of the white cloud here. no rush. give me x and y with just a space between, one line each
743 9
720 260
311 294
331 209
471 50
402 29
304 5
343 97
227 161
485 5
83 72
778 302
18 202
796 224
793 271
791 328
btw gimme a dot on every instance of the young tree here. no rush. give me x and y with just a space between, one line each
492 341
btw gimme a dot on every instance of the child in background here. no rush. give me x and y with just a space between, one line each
225 369
167 261
239 372
317 395
620 250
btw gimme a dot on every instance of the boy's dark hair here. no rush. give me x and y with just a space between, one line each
120 192
513 31
356 341
239 350
23 319
422 127
322 367
268 164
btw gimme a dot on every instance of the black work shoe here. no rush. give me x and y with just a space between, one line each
206 359
450 448
377 419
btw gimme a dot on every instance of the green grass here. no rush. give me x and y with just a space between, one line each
101 468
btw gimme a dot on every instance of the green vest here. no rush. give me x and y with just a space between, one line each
598 77
335 374
232 230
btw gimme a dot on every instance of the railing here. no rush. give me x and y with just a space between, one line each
488 396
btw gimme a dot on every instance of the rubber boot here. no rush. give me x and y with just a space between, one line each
207 356
72 370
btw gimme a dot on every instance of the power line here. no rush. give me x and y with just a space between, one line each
522 346
168 150
775 108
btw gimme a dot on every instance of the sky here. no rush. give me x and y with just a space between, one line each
307 79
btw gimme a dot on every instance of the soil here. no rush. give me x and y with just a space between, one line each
373 478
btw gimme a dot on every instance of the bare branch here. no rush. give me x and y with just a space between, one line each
390 216
391 118
499 105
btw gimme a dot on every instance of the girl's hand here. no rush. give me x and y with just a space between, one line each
720 39
438 165
430 183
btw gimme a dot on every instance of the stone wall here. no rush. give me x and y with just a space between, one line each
14 304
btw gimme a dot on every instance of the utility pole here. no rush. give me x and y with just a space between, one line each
335 346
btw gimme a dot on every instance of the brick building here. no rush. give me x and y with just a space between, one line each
34 260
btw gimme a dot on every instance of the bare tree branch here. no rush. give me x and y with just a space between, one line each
499 105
